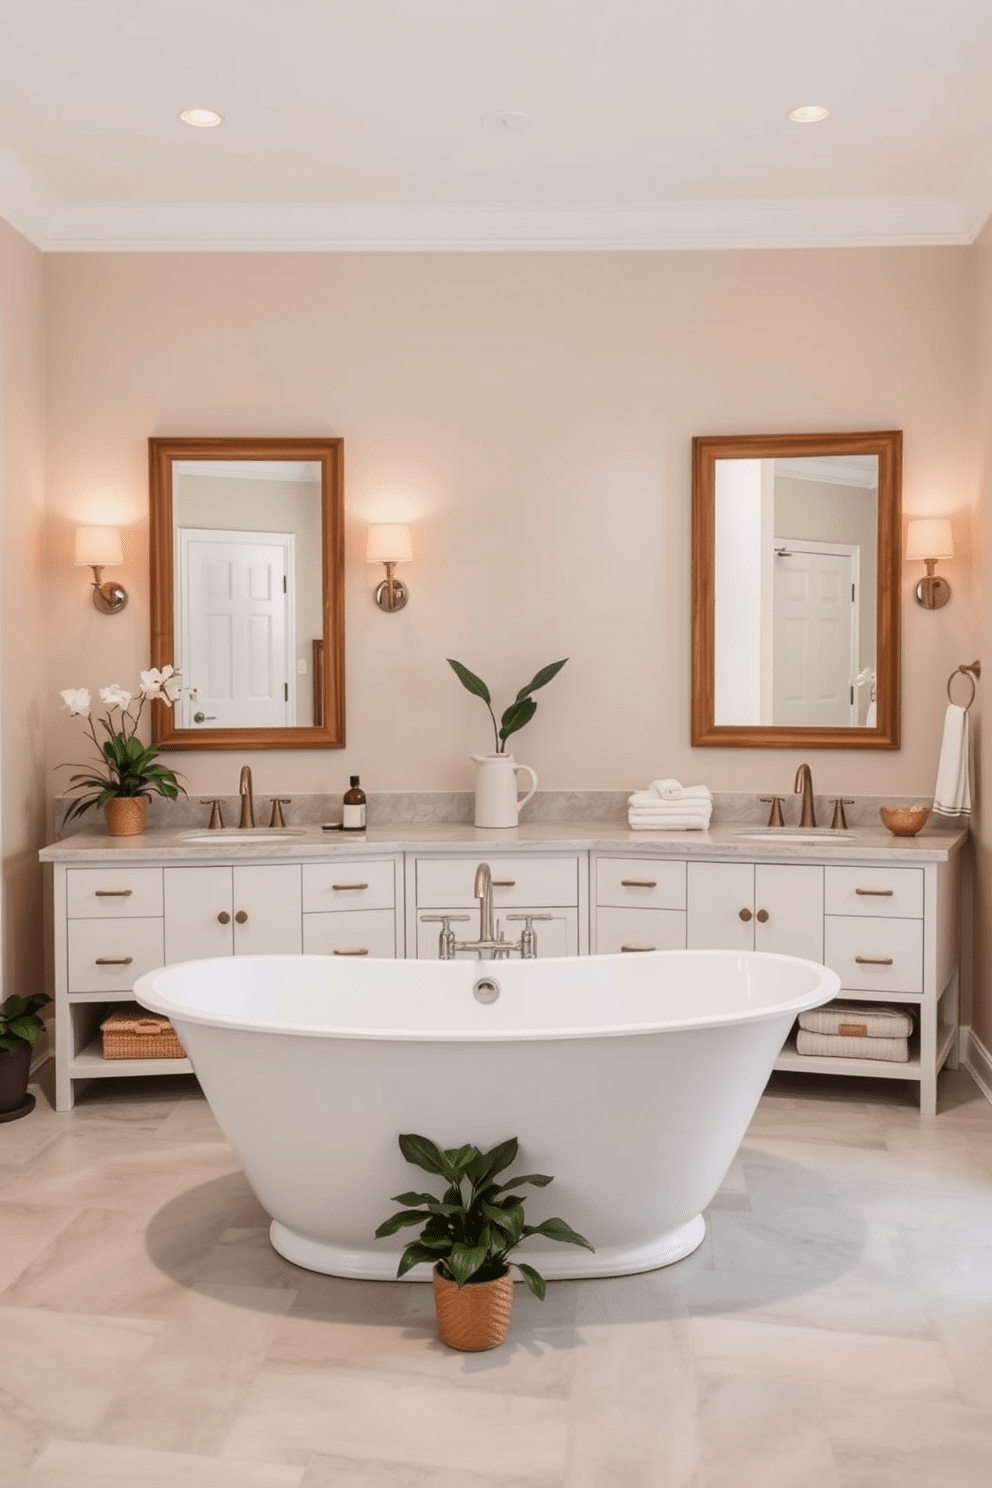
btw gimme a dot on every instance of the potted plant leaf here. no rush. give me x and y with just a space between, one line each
20 1030
468 1235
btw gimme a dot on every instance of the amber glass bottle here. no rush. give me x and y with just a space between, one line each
353 814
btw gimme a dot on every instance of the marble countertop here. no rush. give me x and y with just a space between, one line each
725 840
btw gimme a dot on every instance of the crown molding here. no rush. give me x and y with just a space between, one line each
294 227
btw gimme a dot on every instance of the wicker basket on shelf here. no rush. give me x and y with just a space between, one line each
131 1032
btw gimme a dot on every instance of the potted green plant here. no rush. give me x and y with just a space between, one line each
20 1030
128 772
497 803
468 1235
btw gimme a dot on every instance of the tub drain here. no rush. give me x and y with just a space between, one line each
486 989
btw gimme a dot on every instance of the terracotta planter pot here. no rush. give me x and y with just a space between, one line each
473 1317
15 1070
126 815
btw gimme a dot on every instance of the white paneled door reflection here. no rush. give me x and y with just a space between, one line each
815 635
236 618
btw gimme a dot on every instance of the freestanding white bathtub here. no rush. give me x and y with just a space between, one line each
631 1079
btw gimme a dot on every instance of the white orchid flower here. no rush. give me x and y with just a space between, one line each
77 700
161 686
114 696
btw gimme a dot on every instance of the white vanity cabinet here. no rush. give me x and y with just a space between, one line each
549 885
755 907
640 905
349 908
242 909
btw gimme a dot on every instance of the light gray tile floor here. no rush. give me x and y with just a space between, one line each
834 1330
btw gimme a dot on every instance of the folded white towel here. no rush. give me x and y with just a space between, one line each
670 824
666 816
648 801
952 793
892 1050
672 790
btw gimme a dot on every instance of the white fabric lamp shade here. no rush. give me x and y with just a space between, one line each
389 542
929 537
98 547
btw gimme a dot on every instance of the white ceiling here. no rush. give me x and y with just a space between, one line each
356 123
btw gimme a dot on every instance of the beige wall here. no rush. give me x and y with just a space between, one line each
531 416
24 685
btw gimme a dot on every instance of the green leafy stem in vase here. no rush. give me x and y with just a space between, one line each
129 767
469 1232
520 711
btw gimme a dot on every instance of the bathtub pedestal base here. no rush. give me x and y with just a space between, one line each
565 1262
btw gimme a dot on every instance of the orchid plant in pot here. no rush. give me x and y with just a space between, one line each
127 772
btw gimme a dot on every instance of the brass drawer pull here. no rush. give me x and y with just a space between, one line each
223 918
638 948
877 893
744 914
504 883
361 951
762 916
873 960
242 917
638 883
113 893
114 960
341 887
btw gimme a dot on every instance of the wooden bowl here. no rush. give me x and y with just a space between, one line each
904 821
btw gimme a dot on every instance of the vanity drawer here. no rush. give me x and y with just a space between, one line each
620 929
359 932
874 892
109 956
113 893
363 884
875 955
640 883
517 882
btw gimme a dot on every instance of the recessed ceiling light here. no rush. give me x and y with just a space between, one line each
809 113
505 120
201 118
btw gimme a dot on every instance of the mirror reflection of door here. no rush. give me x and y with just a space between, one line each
815 634
236 607
794 637
247 590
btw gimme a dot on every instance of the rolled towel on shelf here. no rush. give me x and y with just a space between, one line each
952 793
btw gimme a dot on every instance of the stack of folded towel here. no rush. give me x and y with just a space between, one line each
853 1030
668 805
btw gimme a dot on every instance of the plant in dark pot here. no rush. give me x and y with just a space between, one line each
20 1030
467 1236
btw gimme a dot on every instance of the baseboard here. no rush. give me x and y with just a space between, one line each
977 1060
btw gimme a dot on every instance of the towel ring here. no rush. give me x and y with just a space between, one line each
971 672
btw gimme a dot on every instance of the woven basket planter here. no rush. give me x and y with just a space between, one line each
473 1317
126 815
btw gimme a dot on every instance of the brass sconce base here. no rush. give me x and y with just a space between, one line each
932 592
391 594
108 598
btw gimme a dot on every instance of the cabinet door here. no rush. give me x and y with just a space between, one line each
788 905
268 910
198 918
620 929
720 907
355 932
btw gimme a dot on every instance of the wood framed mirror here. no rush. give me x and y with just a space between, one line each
247 591
795 590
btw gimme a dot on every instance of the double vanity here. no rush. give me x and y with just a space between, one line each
881 911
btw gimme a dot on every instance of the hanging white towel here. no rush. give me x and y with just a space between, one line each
871 717
952 793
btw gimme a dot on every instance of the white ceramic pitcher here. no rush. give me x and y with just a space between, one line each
496 801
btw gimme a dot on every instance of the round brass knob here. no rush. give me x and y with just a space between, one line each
745 915
761 916
241 917
223 918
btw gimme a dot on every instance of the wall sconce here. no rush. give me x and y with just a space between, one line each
99 548
389 543
927 540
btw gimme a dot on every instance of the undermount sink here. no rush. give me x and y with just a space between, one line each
806 834
236 834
